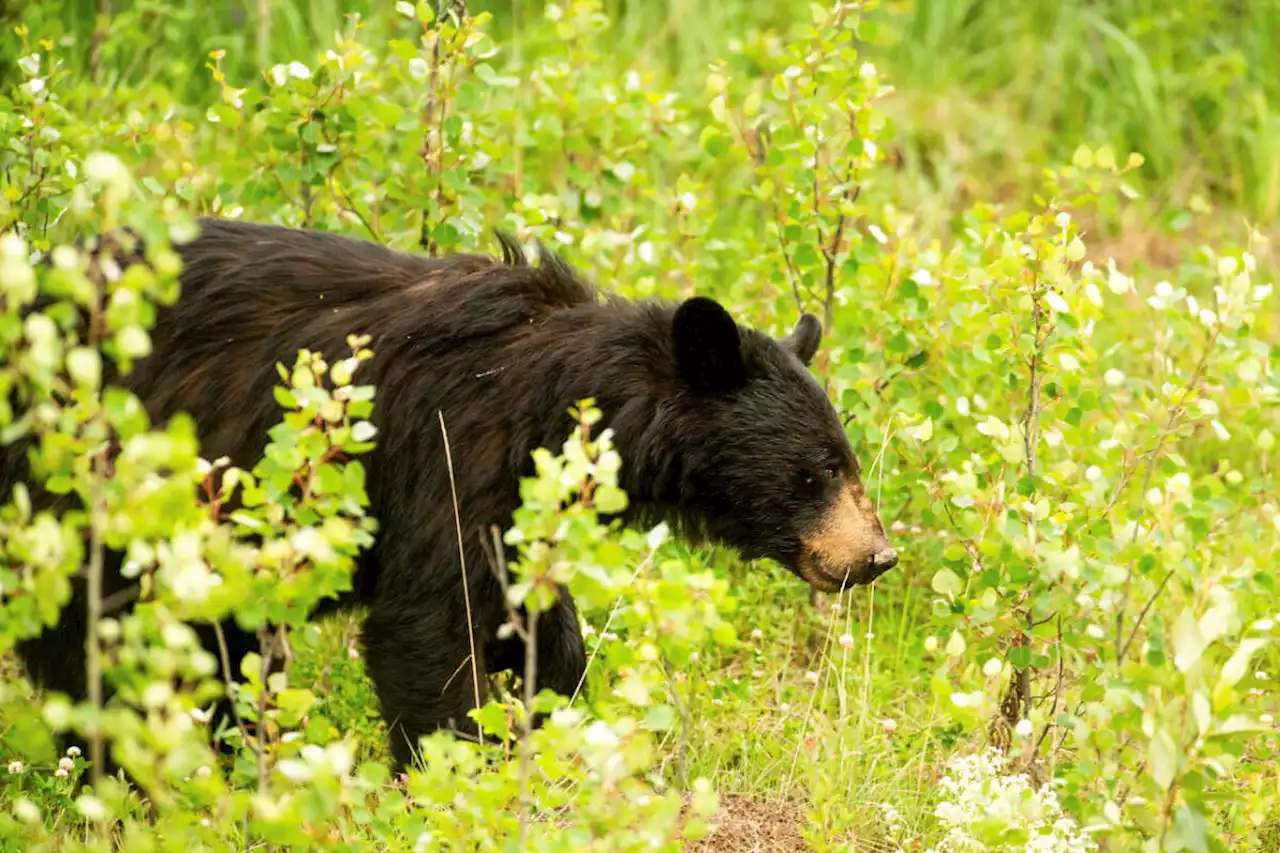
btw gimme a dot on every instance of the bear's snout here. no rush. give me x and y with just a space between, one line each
849 546
885 560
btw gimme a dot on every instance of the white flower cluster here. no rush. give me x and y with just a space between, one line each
976 797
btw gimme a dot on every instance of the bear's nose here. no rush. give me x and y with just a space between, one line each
885 560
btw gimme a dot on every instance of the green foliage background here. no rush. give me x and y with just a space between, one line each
1038 235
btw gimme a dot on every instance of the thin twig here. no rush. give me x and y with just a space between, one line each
682 749
612 612
425 240
92 641
462 559
1031 438
526 750
345 203
231 687
1031 420
527 630
1057 694
831 252
1124 650
265 647
100 28
93 608
118 600
1175 412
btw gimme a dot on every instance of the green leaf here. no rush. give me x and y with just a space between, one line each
1163 756
1019 657
294 702
251 668
1190 830
1188 642
1213 624
948 583
402 49
724 634
85 366
610 499
660 717
713 141
1238 664
493 720
1075 250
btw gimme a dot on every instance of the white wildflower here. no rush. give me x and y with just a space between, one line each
975 791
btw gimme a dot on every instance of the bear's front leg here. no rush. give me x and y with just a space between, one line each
561 659
420 662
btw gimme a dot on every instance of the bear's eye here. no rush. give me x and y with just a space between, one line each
823 476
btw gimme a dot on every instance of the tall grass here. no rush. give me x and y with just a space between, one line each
1191 85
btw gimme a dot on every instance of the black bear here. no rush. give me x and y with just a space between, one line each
722 430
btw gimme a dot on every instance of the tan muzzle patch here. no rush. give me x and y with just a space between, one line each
849 547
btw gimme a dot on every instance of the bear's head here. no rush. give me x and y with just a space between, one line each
766 465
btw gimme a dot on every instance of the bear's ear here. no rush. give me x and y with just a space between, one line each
708 346
804 338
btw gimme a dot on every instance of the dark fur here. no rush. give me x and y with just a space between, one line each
721 430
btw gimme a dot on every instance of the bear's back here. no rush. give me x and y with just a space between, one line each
253 295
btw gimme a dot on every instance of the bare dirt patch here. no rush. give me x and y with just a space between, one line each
744 824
